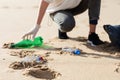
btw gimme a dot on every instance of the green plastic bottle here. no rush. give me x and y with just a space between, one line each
27 43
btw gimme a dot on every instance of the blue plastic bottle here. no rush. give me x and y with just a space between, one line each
74 51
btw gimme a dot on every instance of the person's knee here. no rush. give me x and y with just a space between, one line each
67 25
65 21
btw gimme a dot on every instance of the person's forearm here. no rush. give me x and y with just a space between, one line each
42 10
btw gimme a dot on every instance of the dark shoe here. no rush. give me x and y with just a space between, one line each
62 35
94 40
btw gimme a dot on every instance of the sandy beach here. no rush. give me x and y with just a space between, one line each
94 63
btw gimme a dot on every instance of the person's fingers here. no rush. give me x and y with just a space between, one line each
33 36
24 36
29 36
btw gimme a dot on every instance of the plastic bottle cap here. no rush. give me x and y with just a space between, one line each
77 52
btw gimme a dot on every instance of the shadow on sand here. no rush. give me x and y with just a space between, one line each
106 48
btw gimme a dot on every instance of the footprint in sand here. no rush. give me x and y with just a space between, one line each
7 45
22 53
37 70
42 72
28 60
22 65
117 70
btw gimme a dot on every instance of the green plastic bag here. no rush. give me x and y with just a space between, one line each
37 42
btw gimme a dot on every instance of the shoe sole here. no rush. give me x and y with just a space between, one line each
91 43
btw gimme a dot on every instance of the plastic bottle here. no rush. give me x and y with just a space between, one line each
32 58
27 43
74 51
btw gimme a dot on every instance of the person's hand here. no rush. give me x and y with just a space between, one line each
32 33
